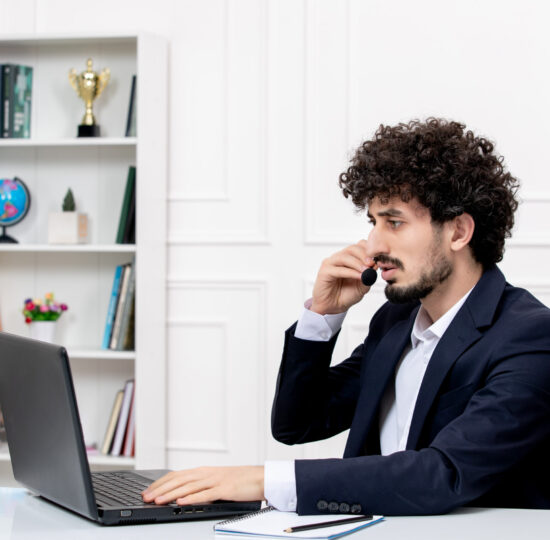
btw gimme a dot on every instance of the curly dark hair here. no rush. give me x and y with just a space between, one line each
448 170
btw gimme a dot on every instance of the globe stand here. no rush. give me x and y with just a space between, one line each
5 239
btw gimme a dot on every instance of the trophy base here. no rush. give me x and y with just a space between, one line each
88 131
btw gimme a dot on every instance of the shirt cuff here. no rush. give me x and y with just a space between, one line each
316 327
280 485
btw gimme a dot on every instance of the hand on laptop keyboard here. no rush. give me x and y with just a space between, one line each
207 484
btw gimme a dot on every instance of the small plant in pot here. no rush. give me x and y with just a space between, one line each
68 226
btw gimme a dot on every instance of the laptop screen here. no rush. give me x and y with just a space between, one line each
42 423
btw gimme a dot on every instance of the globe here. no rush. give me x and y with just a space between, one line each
15 201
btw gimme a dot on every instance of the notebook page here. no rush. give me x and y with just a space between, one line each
271 523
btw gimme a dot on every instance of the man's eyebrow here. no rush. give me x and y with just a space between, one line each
389 212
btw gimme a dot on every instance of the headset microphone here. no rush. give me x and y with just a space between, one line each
368 277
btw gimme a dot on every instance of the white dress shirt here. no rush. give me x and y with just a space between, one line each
398 402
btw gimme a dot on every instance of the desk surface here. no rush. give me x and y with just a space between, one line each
24 516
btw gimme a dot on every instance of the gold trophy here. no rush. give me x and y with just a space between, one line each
89 85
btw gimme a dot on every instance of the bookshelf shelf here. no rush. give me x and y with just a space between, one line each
89 141
100 354
112 461
96 171
68 248
93 459
66 40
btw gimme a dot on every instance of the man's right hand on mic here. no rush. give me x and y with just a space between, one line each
338 285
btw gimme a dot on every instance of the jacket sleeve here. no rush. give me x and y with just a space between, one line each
313 401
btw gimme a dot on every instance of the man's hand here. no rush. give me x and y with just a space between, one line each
338 285
207 484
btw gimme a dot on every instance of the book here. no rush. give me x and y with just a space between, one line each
129 235
129 194
129 437
271 523
111 310
7 99
20 108
16 91
111 426
129 341
127 310
122 423
131 128
1 99
122 299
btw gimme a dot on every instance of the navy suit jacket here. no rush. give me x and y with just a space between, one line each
480 432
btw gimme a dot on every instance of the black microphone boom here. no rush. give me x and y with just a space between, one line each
368 277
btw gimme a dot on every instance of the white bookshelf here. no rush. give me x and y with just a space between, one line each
51 161
101 354
60 248
91 141
95 460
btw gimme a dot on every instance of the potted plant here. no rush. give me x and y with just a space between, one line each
68 226
41 316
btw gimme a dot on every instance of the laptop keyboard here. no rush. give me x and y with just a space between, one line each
119 488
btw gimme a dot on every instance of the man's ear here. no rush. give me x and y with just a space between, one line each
463 227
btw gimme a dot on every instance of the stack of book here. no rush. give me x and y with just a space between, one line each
15 100
121 430
119 326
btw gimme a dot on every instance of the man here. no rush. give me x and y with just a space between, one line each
448 398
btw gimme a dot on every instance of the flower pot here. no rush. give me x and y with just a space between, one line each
67 228
43 330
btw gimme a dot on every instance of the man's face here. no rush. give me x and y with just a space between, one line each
410 250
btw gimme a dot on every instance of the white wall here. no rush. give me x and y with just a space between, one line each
268 98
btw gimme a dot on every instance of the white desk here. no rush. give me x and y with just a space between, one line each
23 516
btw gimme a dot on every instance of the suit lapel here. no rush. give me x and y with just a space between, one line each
379 372
460 335
478 311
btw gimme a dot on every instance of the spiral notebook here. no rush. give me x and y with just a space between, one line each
270 523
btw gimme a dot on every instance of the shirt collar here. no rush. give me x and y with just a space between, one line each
425 330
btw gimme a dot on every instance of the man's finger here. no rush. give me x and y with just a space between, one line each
207 495
168 483
183 491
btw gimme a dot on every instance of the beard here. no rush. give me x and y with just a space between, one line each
440 270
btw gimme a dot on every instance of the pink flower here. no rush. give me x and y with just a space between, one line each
42 310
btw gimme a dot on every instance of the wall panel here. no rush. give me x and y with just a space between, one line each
216 344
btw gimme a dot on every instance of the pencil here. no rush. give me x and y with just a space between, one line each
327 524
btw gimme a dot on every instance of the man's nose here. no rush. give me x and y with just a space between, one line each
376 243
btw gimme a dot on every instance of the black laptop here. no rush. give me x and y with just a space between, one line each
47 449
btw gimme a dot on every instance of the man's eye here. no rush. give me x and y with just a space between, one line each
395 224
